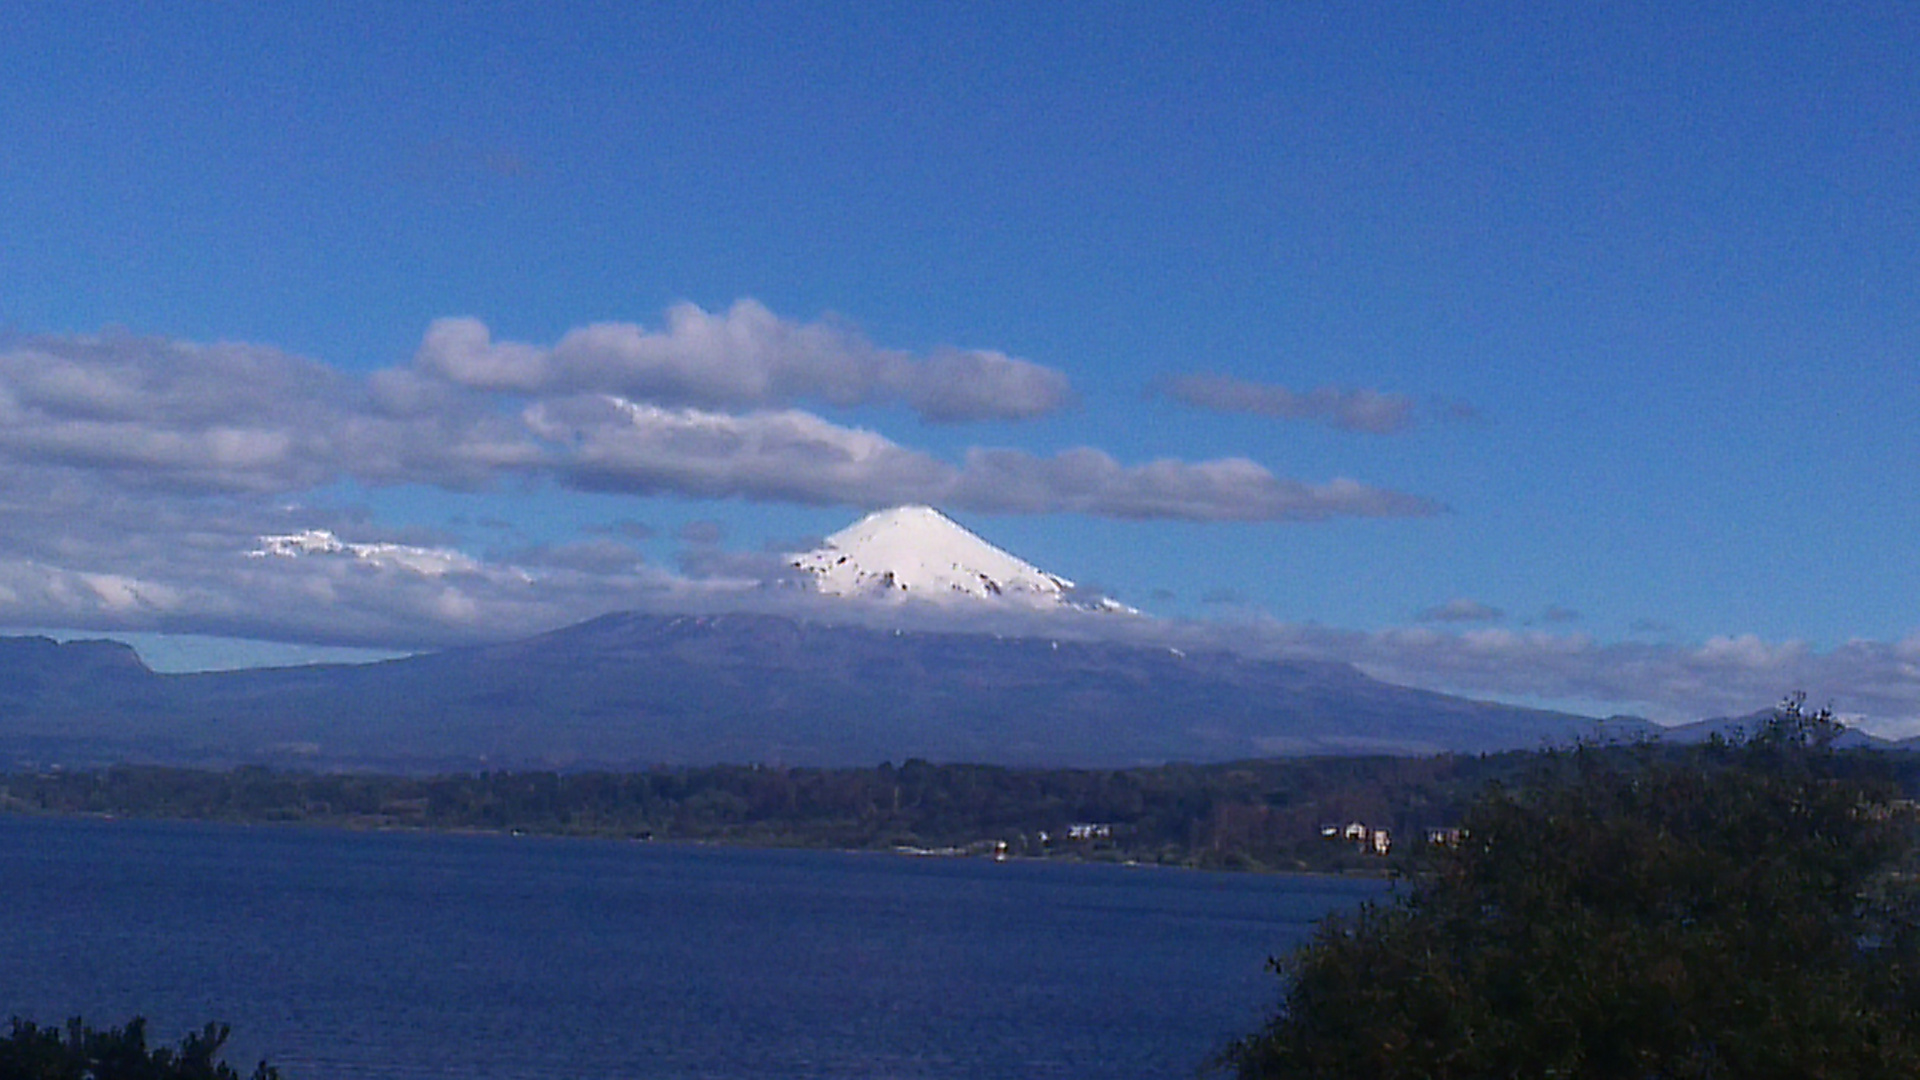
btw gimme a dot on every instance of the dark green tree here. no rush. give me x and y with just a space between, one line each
1744 909
81 1052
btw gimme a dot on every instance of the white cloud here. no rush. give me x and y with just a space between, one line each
144 413
431 561
745 358
1731 675
148 412
1747 652
611 444
119 593
1088 481
463 352
958 385
232 420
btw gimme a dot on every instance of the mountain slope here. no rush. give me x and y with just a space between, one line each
635 689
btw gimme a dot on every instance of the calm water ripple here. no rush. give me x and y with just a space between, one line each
404 956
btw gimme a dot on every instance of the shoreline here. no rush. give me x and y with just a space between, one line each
352 826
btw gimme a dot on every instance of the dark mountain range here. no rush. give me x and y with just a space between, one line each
636 690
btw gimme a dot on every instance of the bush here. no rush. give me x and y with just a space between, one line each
31 1052
1744 909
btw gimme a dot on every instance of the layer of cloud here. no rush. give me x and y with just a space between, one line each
1089 481
1875 684
142 413
426 561
615 445
1365 410
745 358
156 485
82 557
145 413
792 456
1724 676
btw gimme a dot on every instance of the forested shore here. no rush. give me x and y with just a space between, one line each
1254 815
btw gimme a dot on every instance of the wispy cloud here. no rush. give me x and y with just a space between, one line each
1365 410
1729 675
1461 610
610 444
626 527
702 533
1089 481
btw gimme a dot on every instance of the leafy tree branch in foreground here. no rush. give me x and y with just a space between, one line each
1747 909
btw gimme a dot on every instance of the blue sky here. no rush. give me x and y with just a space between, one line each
1546 353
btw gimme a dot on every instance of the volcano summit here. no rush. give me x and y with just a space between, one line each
917 553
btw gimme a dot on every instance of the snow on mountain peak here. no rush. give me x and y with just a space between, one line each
918 553
433 562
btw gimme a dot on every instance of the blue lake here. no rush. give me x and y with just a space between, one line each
339 954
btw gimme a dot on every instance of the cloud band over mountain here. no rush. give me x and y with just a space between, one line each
138 474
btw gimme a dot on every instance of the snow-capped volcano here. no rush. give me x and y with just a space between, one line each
918 553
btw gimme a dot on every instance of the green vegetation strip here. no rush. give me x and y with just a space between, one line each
1258 815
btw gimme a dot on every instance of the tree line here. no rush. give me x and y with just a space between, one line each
1258 815
80 1051
1249 815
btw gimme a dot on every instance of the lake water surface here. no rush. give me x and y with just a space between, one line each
339 954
